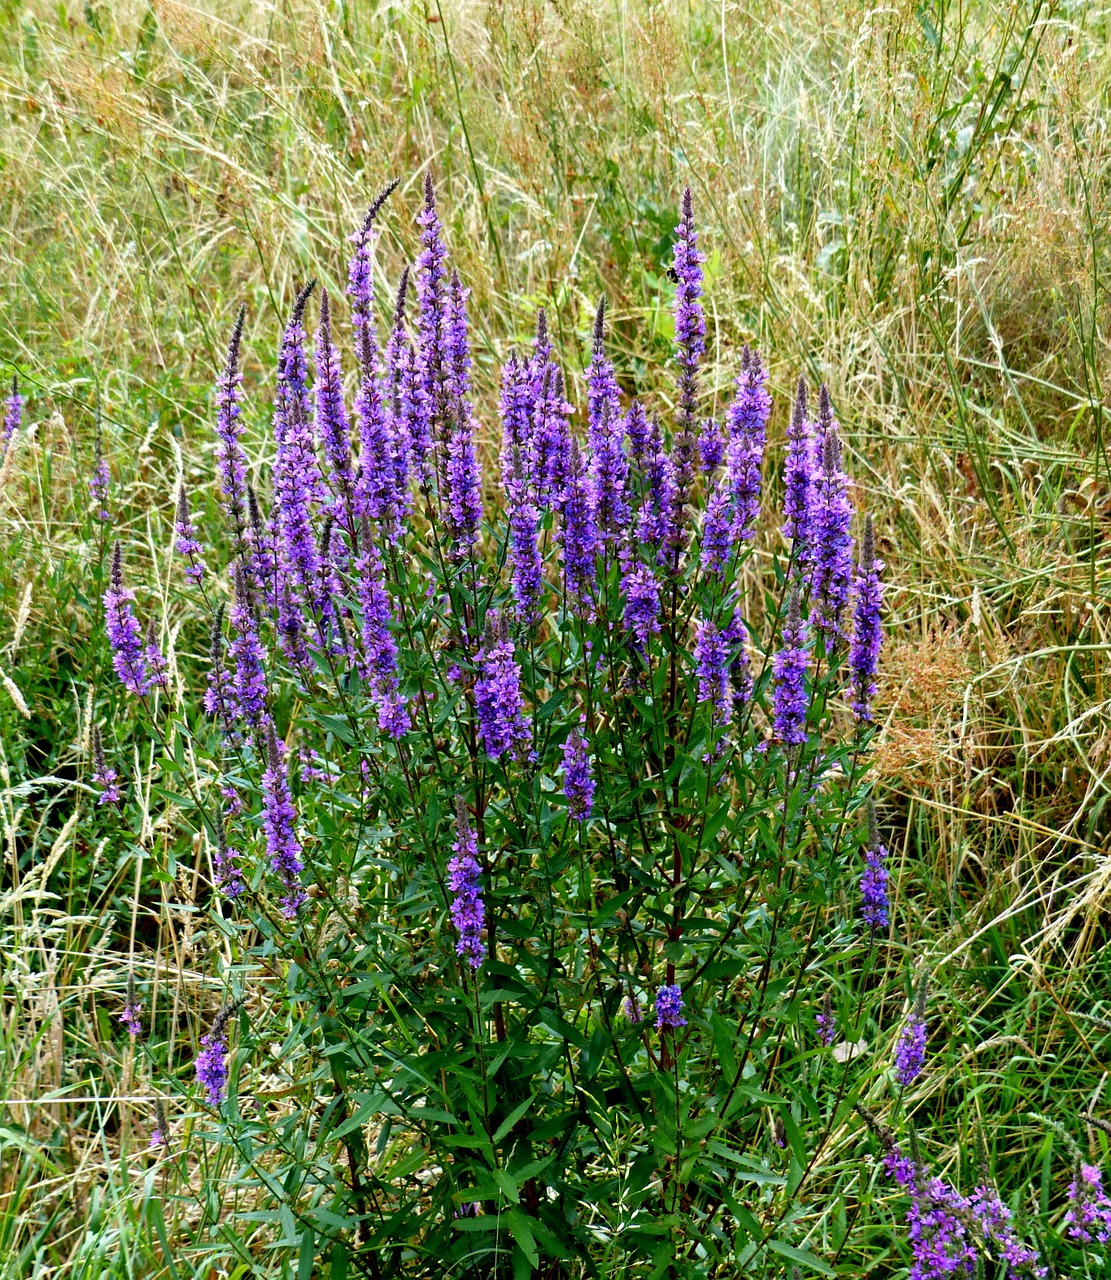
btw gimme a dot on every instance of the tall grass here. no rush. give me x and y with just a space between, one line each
908 201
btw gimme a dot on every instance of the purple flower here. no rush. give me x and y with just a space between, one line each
910 1052
431 273
799 477
825 1021
669 1007
229 878
1089 1213
124 634
247 653
523 553
864 652
873 881
516 404
331 412
502 726
578 784
360 282
13 416
550 442
746 426
633 1011
160 1136
157 677
717 530
690 339
463 481
608 467
638 429
132 1010
464 878
578 537
642 603
831 570
656 518
790 699
233 801
99 484
211 1065
279 816
261 567
187 544
103 774
711 653
219 697
231 461
379 647
735 636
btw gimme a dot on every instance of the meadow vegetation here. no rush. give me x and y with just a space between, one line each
908 203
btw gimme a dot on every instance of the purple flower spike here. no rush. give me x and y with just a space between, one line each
379 646
578 537
578 784
550 444
502 726
524 553
187 544
831 571
360 282
100 482
608 468
132 1010
789 667
873 882
219 696
1089 1213
331 412
431 274
157 669
464 876
212 1062
248 655
711 653
735 636
669 1007
231 461
229 878
910 1052
279 817
825 1021
799 478
690 339
864 652
746 427
13 417
124 634
642 604
103 774
638 429
463 481
717 531
656 518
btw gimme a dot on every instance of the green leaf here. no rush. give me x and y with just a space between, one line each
521 1228
307 1254
511 1119
802 1256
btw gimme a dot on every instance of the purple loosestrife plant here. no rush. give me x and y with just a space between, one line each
417 645
132 1010
873 882
124 632
157 667
826 1022
464 878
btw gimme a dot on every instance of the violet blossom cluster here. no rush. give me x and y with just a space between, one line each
502 725
13 417
211 1065
104 776
279 817
464 878
578 782
1088 1216
910 1050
